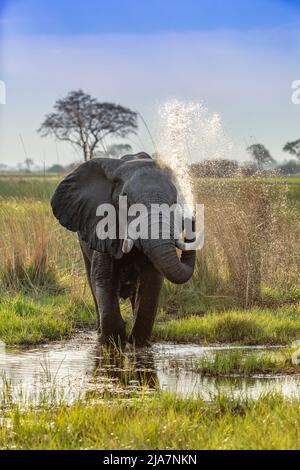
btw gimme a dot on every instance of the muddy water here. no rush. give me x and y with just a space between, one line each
79 367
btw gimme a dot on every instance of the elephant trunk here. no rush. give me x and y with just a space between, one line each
162 253
165 259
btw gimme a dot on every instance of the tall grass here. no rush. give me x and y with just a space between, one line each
29 187
252 245
252 237
36 253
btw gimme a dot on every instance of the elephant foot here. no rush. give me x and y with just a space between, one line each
139 342
112 341
113 335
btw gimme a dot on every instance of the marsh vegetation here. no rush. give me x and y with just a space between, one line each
245 291
159 422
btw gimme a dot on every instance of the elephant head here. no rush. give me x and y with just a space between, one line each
102 181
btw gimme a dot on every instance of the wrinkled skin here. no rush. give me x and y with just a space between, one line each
112 274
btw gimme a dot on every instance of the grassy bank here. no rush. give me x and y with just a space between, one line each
38 318
236 362
158 422
42 318
255 326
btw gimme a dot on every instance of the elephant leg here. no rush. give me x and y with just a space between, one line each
104 278
87 263
145 305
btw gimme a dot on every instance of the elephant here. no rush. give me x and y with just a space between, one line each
121 267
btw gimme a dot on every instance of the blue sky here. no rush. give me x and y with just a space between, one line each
66 17
238 57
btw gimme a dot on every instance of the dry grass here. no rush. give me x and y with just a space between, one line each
252 237
36 253
252 241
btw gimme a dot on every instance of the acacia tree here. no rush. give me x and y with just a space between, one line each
293 148
260 154
85 122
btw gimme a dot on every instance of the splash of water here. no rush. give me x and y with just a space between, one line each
175 126
190 134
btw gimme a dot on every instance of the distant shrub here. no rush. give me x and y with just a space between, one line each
56 169
289 168
215 169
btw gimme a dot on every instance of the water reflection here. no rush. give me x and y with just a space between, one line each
133 368
81 366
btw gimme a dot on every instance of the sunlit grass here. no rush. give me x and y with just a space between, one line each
278 296
161 421
223 363
39 319
30 187
255 326
36 253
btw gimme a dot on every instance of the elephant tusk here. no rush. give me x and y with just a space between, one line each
127 245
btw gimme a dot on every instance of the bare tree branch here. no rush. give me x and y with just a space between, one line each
85 122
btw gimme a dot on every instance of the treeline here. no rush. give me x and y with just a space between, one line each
217 169
230 168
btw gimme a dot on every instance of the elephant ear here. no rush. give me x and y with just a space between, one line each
78 196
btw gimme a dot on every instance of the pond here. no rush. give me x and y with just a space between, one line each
79 367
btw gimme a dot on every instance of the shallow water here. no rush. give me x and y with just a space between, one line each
78 367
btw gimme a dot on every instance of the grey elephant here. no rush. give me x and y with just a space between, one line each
123 268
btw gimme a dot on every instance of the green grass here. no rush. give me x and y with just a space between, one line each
239 362
29 187
256 326
162 421
39 319
274 296
37 254
293 184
